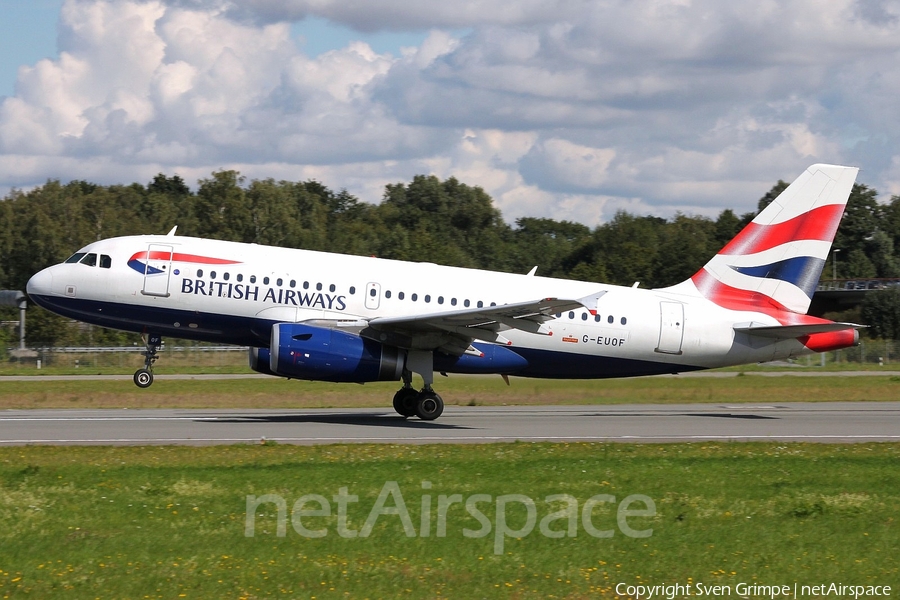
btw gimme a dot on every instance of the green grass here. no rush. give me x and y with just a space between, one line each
160 522
456 390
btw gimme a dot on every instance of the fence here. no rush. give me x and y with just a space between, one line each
131 356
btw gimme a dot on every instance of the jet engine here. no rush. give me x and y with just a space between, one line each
318 353
259 361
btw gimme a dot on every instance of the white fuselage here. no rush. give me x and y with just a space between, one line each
232 292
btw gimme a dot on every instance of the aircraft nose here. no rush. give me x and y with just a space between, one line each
40 284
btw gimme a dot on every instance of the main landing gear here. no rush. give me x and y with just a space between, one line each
426 404
143 378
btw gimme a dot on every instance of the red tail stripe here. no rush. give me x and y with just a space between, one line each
179 257
735 299
818 224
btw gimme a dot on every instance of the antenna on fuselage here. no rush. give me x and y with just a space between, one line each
172 232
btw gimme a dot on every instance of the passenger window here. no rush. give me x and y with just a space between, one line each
105 261
265 281
584 316
253 279
75 257
318 287
90 260
440 299
453 301
199 272
240 277
387 294
466 303
372 292
623 321
226 276
212 274
352 289
597 318
571 315
400 295
427 298
610 319
305 285
293 283
414 297
480 304
279 281
332 287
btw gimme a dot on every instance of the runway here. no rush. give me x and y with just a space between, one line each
837 422
215 376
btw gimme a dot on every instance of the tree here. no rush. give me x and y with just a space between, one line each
627 246
221 208
546 243
881 311
860 221
687 243
771 195
728 225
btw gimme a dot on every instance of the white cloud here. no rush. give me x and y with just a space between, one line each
560 109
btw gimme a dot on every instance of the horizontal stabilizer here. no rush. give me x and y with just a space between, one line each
793 331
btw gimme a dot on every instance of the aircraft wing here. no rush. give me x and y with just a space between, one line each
454 331
793 331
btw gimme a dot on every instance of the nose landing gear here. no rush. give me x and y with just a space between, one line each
143 378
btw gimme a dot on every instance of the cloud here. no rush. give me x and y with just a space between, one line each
560 109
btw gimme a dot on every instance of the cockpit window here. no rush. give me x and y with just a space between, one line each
75 257
89 260
105 261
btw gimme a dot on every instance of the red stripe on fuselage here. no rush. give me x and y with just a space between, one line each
179 257
818 224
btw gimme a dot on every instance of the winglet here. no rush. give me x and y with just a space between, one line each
591 302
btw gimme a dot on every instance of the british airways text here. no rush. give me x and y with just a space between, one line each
240 291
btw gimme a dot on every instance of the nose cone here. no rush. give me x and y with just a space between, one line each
40 284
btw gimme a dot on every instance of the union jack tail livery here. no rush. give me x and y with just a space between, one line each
775 262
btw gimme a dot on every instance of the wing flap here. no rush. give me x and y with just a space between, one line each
453 331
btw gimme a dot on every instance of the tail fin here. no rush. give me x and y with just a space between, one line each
776 260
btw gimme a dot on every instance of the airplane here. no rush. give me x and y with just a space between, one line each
332 317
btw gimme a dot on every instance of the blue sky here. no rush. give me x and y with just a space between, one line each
569 110
27 34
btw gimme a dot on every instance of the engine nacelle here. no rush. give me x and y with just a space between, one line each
322 354
259 361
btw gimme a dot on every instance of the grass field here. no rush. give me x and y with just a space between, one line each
169 522
459 390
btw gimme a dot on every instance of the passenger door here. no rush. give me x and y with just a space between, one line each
157 270
671 327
